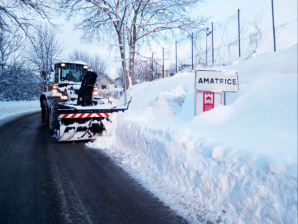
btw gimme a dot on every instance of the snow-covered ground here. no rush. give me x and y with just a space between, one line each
233 164
12 109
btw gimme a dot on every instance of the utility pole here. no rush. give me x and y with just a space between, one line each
273 26
192 51
124 72
207 34
239 32
176 57
212 44
163 62
152 73
206 46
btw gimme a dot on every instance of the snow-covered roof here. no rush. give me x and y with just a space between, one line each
79 62
73 62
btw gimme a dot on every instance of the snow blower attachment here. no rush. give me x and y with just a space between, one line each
70 109
86 90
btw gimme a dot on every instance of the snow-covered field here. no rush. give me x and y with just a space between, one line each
12 109
233 164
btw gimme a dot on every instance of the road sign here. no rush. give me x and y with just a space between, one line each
207 101
216 81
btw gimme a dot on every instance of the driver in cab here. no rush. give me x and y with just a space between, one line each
71 77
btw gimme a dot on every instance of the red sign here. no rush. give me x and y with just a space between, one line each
205 101
208 101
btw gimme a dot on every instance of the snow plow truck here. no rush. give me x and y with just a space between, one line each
71 108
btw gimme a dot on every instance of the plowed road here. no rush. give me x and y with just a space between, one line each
42 181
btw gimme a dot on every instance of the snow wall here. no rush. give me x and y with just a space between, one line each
233 164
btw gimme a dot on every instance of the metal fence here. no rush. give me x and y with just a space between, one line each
261 27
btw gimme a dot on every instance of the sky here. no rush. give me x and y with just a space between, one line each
215 10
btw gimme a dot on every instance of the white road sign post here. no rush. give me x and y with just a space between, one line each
216 81
209 85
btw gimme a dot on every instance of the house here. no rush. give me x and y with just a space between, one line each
118 83
105 82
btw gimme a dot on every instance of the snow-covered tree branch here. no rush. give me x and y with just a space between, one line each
22 13
94 61
44 51
131 21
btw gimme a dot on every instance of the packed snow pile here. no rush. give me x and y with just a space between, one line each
233 164
169 103
12 109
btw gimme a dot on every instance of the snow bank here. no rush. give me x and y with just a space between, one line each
233 164
12 109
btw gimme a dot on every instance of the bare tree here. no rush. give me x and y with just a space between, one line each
44 51
120 75
140 19
79 55
94 62
18 82
22 13
143 70
254 37
17 19
10 42
98 65
16 16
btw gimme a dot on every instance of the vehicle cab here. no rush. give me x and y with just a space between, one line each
69 72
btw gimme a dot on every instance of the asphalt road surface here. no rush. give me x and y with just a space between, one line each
43 181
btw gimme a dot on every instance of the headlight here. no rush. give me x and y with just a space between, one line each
95 93
55 88
110 99
63 97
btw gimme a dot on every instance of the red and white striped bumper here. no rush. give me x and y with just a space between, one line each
83 115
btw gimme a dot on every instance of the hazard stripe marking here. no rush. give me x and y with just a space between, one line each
83 115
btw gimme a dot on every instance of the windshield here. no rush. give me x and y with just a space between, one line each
72 73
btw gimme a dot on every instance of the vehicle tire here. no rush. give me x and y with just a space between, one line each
44 113
53 115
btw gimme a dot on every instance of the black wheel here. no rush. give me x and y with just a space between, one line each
44 112
53 115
